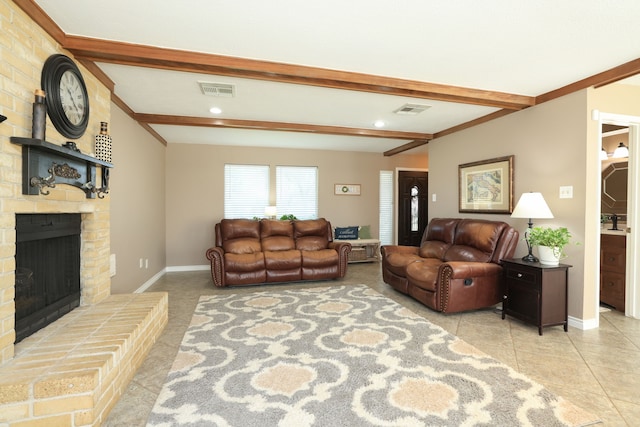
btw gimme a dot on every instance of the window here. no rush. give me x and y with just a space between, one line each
297 191
415 192
246 190
386 207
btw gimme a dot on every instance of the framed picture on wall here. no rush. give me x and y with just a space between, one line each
486 186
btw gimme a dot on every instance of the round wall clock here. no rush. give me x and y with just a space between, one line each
66 96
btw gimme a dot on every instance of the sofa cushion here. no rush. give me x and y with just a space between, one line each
475 240
424 274
397 262
441 229
240 236
245 262
283 260
438 237
276 235
319 258
311 234
433 249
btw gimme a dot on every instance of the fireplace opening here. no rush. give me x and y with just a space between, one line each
47 282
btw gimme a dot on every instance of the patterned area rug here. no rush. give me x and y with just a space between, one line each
341 356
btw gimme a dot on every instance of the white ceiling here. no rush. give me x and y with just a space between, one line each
518 47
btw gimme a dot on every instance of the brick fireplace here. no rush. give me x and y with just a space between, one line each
74 370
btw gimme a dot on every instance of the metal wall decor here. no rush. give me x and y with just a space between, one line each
347 189
45 164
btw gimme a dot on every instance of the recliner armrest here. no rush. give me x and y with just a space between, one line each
466 286
343 249
465 269
216 256
390 249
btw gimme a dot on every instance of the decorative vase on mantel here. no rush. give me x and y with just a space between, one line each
103 143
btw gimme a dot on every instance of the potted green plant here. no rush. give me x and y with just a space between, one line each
550 242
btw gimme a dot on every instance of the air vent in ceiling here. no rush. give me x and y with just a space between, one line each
412 109
217 89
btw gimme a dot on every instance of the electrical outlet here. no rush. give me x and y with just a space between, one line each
566 192
112 265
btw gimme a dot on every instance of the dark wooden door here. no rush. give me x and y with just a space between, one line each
412 206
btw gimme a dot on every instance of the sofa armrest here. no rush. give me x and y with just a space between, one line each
216 256
466 286
343 249
390 249
465 269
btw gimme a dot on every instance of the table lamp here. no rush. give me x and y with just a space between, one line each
271 212
531 205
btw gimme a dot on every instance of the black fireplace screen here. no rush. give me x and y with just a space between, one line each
47 269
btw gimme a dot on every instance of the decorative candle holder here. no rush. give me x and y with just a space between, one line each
103 144
39 118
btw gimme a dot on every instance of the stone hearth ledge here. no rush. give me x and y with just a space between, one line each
73 372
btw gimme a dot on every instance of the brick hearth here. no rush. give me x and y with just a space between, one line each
72 372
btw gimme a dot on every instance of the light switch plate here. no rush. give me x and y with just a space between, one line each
566 192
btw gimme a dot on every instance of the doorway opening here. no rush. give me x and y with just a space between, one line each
618 249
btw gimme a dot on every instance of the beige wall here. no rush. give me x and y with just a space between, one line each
137 203
195 189
548 142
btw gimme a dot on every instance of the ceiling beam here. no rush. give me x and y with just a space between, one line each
405 147
124 107
197 62
160 119
35 12
604 78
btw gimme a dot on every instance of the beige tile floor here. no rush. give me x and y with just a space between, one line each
598 370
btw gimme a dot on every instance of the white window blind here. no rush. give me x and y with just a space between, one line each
246 190
297 191
386 207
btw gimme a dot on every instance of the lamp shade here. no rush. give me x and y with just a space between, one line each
603 155
532 205
620 151
271 211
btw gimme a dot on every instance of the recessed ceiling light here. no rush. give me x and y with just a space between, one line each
215 110
379 124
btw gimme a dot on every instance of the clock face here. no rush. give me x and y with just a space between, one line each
66 96
72 97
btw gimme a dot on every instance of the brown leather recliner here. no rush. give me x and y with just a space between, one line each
457 265
249 252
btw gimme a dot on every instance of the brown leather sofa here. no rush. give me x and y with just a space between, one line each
249 252
457 266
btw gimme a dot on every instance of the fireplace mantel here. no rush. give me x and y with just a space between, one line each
45 164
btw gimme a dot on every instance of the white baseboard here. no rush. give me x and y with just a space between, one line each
583 324
188 268
150 282
161 273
